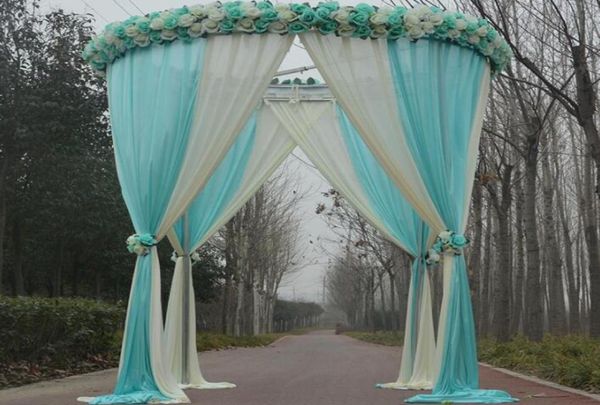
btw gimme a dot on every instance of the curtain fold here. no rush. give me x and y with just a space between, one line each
256 154
418 106
167 103
324 132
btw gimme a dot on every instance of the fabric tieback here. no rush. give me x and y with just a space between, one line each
446 242
140 243
195 256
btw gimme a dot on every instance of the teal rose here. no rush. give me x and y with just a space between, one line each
182 33
170 22
396 32
120 32
308 17
147 239
323 13
155 36
261 25
327 27
299 8
298 27
359 18
235 13
269 15
364 8
362 31
458 241
226 26
329 5
472 28
144 26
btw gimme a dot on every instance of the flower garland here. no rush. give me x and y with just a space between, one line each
446 242
360 21
140 244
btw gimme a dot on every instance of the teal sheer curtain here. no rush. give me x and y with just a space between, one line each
219 190
438 89
151 103
400 219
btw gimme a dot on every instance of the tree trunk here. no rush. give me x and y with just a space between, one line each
519 271
534 316
17 229
475 251
591 238
556 304
3 174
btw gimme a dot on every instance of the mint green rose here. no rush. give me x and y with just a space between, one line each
178 12
359 18
235 13
458 241
472 28
364 8
269 15
226 26
396 32
143 25
362 31
170 22
299 8
308 17
298 27
327 27
155 36
182 33
323 13
147 239
261 25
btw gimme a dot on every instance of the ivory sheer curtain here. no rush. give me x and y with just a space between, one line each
257 152
164 114
322 130
419 107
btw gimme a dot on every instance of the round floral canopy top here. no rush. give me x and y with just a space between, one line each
360 21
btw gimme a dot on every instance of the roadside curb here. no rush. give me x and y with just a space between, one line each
537 380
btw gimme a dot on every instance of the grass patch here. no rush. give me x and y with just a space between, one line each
216 341
573 361
386 338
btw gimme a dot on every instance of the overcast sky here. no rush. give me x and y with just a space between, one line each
308 283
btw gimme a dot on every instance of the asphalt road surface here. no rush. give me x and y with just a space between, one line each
319 368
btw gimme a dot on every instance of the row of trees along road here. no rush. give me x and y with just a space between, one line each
535 259
62 218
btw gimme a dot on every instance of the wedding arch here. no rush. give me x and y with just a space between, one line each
396 131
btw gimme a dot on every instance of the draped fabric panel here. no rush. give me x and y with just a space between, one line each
257 152
418 106
325 134
239 69
164 114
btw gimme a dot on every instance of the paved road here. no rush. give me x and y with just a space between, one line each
314 369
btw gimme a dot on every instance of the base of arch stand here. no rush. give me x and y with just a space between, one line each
466 396
208 386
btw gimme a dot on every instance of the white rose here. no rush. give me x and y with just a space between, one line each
415 32
474 39
245 25
288 15
422 11
168 35
385 10
378 32
132 31
445 236
157 24
379 18
278 27
281 7
453 34
345 30
174 256
198 10
196 256
488 51
497 41
186 20
461 24
411 20
434 257
142 40
482 31
250 10
209 26
195 30
215 13
436 19
109 37
427 27
342 15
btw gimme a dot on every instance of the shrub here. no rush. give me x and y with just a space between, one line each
57 332
571 360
